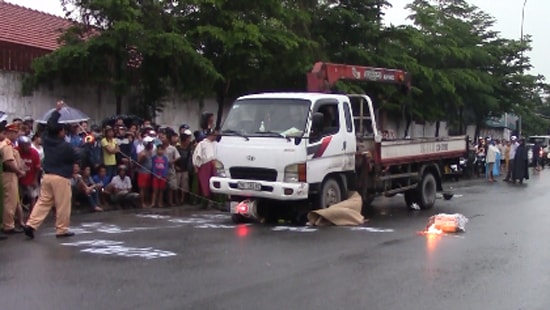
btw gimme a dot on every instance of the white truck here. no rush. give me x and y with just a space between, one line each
290 151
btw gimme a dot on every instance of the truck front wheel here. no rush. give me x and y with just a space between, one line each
239 219
427 191
331 194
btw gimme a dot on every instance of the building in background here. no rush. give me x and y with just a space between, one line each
26 34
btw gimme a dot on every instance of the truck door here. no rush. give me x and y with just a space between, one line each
329 150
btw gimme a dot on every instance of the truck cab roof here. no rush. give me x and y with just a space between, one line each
294 95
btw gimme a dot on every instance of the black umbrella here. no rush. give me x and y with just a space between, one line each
127 119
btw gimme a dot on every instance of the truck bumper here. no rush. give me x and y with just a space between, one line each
259 189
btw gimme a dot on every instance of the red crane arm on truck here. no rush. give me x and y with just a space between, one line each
324 75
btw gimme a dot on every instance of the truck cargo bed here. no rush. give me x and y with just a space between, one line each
422 149
417 150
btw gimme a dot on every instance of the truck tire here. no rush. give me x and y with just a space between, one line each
239 219
331 193
411 197
268 213
367 198
427 191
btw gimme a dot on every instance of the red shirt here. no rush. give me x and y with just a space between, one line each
31 165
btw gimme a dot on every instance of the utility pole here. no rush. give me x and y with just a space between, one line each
522 24
523 19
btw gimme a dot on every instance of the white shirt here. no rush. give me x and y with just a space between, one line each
140 147
205 152
124 185
172 153
40 151
492 154
513 150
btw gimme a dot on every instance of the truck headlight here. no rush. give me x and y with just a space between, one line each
220 171
295 173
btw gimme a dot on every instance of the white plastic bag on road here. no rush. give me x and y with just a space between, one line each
447 223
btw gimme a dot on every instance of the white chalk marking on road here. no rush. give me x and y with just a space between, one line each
91 225
293 229
116 248
189 221
154 216
155 227
93 243
212 216
81 231
113 229
216 226
372 229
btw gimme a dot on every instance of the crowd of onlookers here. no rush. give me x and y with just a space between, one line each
124 162
496 157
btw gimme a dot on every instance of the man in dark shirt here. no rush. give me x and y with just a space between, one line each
59 158
184 165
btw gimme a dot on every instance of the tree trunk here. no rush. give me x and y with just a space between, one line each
461 120
118 104
408 117
407 126
220 99
221 96
477 132
437 126
118 82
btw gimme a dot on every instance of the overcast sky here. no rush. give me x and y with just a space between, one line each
507 13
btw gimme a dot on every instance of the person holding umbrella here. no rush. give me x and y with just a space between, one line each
59 159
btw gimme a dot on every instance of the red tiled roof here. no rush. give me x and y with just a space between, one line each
29 27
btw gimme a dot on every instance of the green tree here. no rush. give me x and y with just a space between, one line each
353 32
126 45
253 45
464 65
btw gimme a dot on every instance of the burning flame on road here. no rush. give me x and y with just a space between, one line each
433 230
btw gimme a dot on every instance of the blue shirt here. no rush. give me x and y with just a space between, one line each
76 140
103 181
160 166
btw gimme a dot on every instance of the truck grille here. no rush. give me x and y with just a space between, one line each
258 174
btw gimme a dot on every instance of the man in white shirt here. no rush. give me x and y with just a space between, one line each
492 152
120 189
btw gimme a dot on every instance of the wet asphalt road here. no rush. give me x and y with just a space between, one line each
177 259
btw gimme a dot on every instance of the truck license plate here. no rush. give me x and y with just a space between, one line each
250 186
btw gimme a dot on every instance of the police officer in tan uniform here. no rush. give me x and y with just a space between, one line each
10 178
2 137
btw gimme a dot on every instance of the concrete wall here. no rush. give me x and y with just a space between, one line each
95 102
495 133
397 126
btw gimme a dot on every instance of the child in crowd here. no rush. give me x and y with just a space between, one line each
160 173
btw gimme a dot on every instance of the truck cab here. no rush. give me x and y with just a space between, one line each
287 147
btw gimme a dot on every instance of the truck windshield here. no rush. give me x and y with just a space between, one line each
261 117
